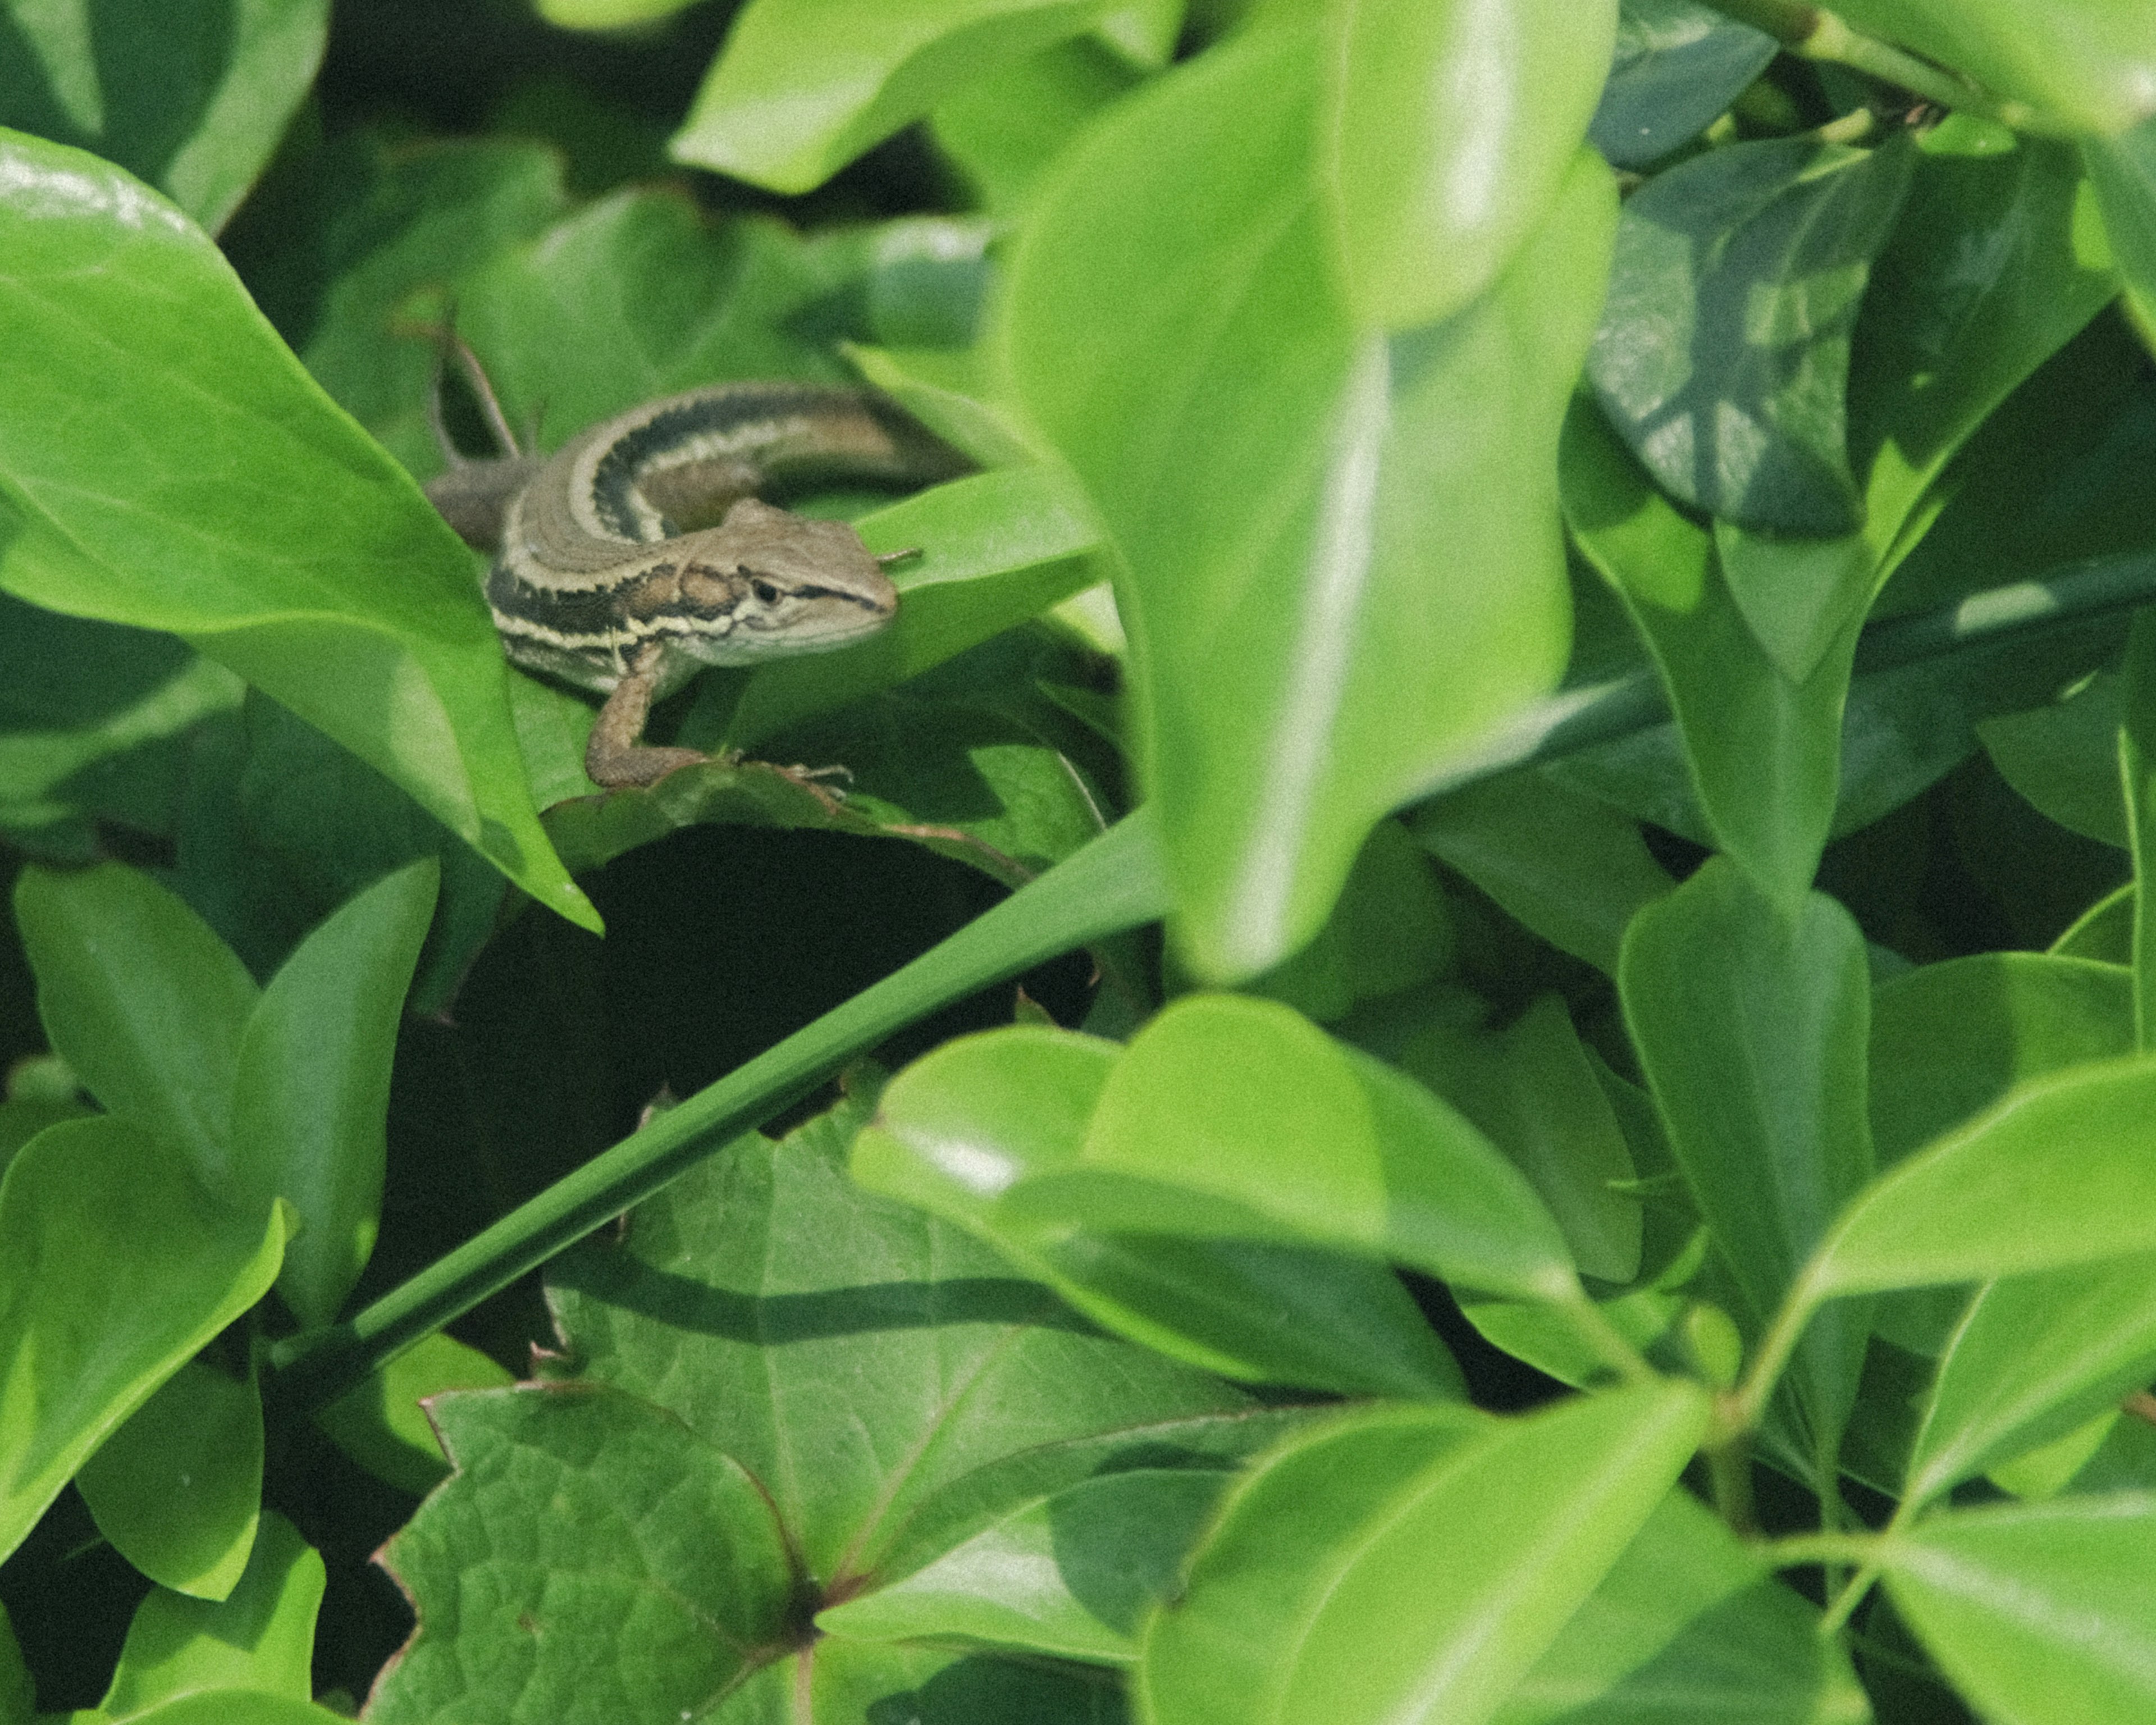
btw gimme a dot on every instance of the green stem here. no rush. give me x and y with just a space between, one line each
1729 1475
1742 1410
1113 885
1607 1339
1792 1550
1814 34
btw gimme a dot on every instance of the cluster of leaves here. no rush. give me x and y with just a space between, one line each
1626 1191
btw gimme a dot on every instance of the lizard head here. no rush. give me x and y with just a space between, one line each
782 583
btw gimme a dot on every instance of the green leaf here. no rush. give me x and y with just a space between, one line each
2123 171
178 1488
2136 768
1949 1040
381 1424
1723 354
964 1130
1751 1027
1235 1118
1354 1580
311 1094
632 1570
146 1002
1067 1576
1002 130
2040 1613
235 1707
804 86
1687 1626
2091 64
1061 1548
322 577
1762 754
2036 1357
261 1637
606 15
2063 758
1449 131
18 1695
192 99
1994 1197
1571 868
118 1268
1305 665
1677 65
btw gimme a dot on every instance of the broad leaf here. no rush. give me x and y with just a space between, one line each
1385 1586
804 87
1723 354
2040 1613
1306 665
2123 171
193 98
146 1002
312 1089
1751 1028
962 1131
381 1424
261 1637
178 1488
1996 1196
1449 129
259 522
1678 64
118 1268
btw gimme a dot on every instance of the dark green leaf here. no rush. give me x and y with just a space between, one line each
381 1424
1724 353
193 98
1678 64
2123 171
2063 759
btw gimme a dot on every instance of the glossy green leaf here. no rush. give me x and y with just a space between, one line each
1305 667
261 1637
1002 130
2040 1613
1677 65
118 1268
1068 1576
1723 354
1062 1549
2089 63
192 99
2123 171
1687 1626
2036 1357
1571 868
1389 929
2063 759
2104 932
178 1489
311 1092
381 1424
630 1564
147 1004
1238 1118
235 1707
960 1132
1951 1039
1532 1091
2136 768
1995 1196
801 87
1449 129
1751 1028
323 576
1762 754
1427 1597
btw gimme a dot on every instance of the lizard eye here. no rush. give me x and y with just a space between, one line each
765 592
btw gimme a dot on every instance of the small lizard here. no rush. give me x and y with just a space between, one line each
639 552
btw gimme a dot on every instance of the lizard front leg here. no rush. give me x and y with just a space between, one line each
616 755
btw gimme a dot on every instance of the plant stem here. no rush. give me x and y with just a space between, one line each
1814 34
1729 1473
